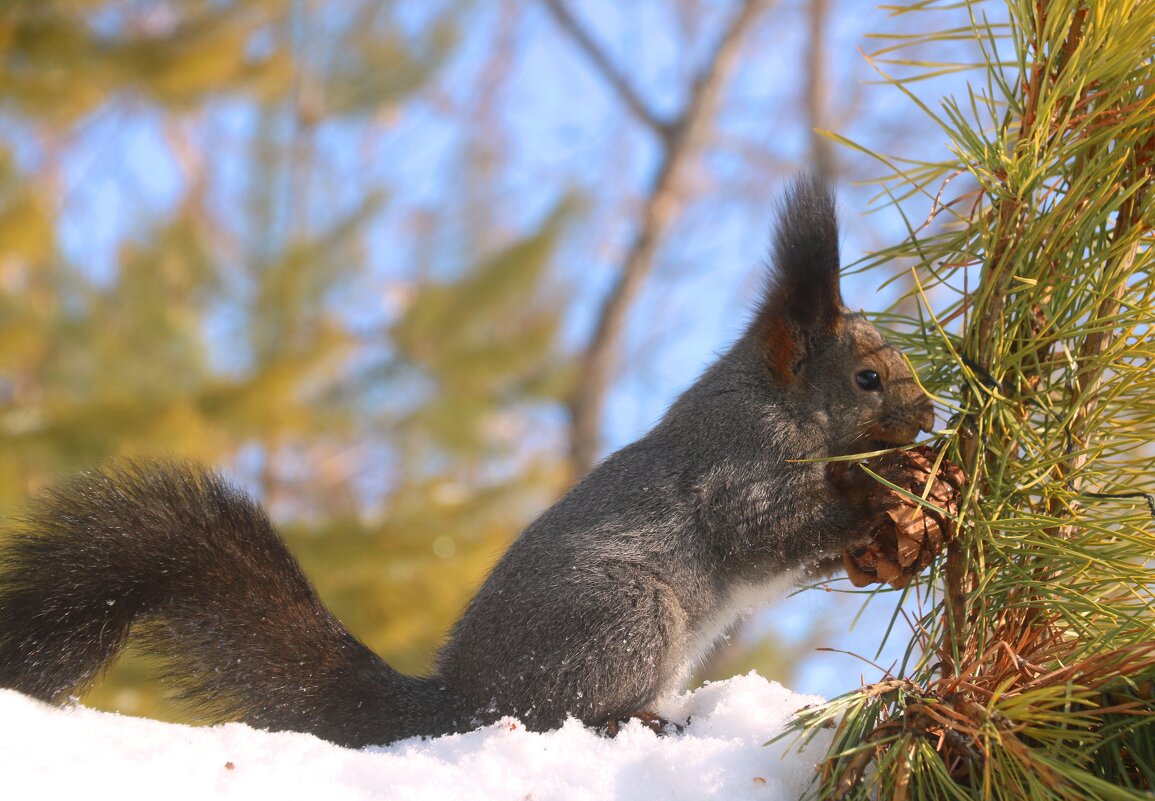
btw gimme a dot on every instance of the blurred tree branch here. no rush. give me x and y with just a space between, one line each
612 75
821 152
681 141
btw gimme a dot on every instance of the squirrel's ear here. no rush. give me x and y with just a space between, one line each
802 301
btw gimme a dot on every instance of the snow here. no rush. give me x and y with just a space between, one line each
76 752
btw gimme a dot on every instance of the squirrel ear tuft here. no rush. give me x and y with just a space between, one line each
803 300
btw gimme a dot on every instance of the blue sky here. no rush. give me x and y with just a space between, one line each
559 129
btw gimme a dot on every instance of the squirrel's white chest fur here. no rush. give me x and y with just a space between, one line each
741 600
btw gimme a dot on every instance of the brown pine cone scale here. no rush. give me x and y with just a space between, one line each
909 535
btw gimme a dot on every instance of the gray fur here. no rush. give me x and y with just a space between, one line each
597 610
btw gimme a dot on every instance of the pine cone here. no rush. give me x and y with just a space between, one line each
908 536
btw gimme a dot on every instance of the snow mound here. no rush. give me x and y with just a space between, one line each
46 752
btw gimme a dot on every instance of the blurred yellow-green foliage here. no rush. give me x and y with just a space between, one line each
221 325
351 253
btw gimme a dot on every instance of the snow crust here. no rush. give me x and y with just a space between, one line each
80 753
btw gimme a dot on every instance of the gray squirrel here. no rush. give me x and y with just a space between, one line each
598 610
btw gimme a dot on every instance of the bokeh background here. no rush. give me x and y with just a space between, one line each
405 269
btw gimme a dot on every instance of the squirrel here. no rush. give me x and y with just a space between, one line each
598 610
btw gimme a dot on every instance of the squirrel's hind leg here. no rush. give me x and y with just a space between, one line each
651 720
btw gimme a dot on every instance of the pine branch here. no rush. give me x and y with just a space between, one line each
1039 650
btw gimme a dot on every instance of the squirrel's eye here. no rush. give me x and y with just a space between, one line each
869 380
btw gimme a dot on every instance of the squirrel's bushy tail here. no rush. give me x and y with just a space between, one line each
195 569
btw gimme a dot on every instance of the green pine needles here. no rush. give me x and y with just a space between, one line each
1031 669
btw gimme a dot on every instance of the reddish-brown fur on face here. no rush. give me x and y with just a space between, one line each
786 344
781 347
804 302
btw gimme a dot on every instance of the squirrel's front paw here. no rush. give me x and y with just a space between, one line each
862 492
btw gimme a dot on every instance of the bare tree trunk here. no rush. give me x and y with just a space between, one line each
821 153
